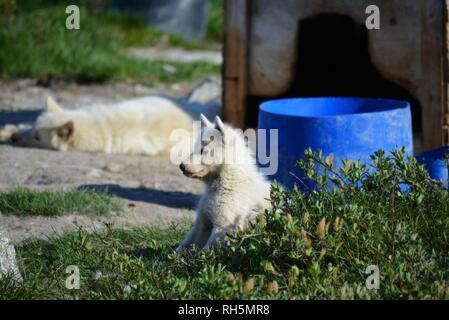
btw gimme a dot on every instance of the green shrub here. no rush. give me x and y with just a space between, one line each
319 245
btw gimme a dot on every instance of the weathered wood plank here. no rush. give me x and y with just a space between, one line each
235 75
431 86
446 75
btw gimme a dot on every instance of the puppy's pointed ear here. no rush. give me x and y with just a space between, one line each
206 122
219 125
52 105
65 132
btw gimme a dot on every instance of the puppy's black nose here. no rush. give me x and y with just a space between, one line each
182 167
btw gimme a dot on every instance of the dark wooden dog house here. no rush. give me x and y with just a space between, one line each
288 48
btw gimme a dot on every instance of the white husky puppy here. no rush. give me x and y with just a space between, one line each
137 126
235 191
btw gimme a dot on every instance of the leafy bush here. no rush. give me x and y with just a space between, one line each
314 245
319 245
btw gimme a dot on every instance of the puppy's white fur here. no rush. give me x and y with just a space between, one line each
235 191
137 126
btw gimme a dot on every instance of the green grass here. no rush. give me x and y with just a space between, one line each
50 203
131 31
214 27
35 43
309 246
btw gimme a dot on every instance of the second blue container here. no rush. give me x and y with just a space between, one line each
435 163
350 128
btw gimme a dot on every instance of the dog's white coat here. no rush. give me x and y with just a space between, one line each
137 126
235 191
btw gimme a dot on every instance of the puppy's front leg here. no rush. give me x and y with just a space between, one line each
188 240
217 234
204 232
198 235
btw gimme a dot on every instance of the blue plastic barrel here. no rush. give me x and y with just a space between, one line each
350 128
435 164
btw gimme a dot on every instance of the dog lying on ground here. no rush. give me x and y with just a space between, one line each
235 191
138 126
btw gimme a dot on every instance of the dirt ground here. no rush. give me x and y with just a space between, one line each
152 189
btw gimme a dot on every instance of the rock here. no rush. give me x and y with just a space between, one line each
94 173
207 90
113 168
8 263
168 68
100 275
127 289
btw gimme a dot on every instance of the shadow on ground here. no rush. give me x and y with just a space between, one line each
16 117
173 199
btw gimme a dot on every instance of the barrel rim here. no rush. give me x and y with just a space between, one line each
395 106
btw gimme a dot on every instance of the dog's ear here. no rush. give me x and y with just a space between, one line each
219 125
206 122
52 105
65 131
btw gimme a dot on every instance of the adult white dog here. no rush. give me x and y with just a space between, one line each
136 126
